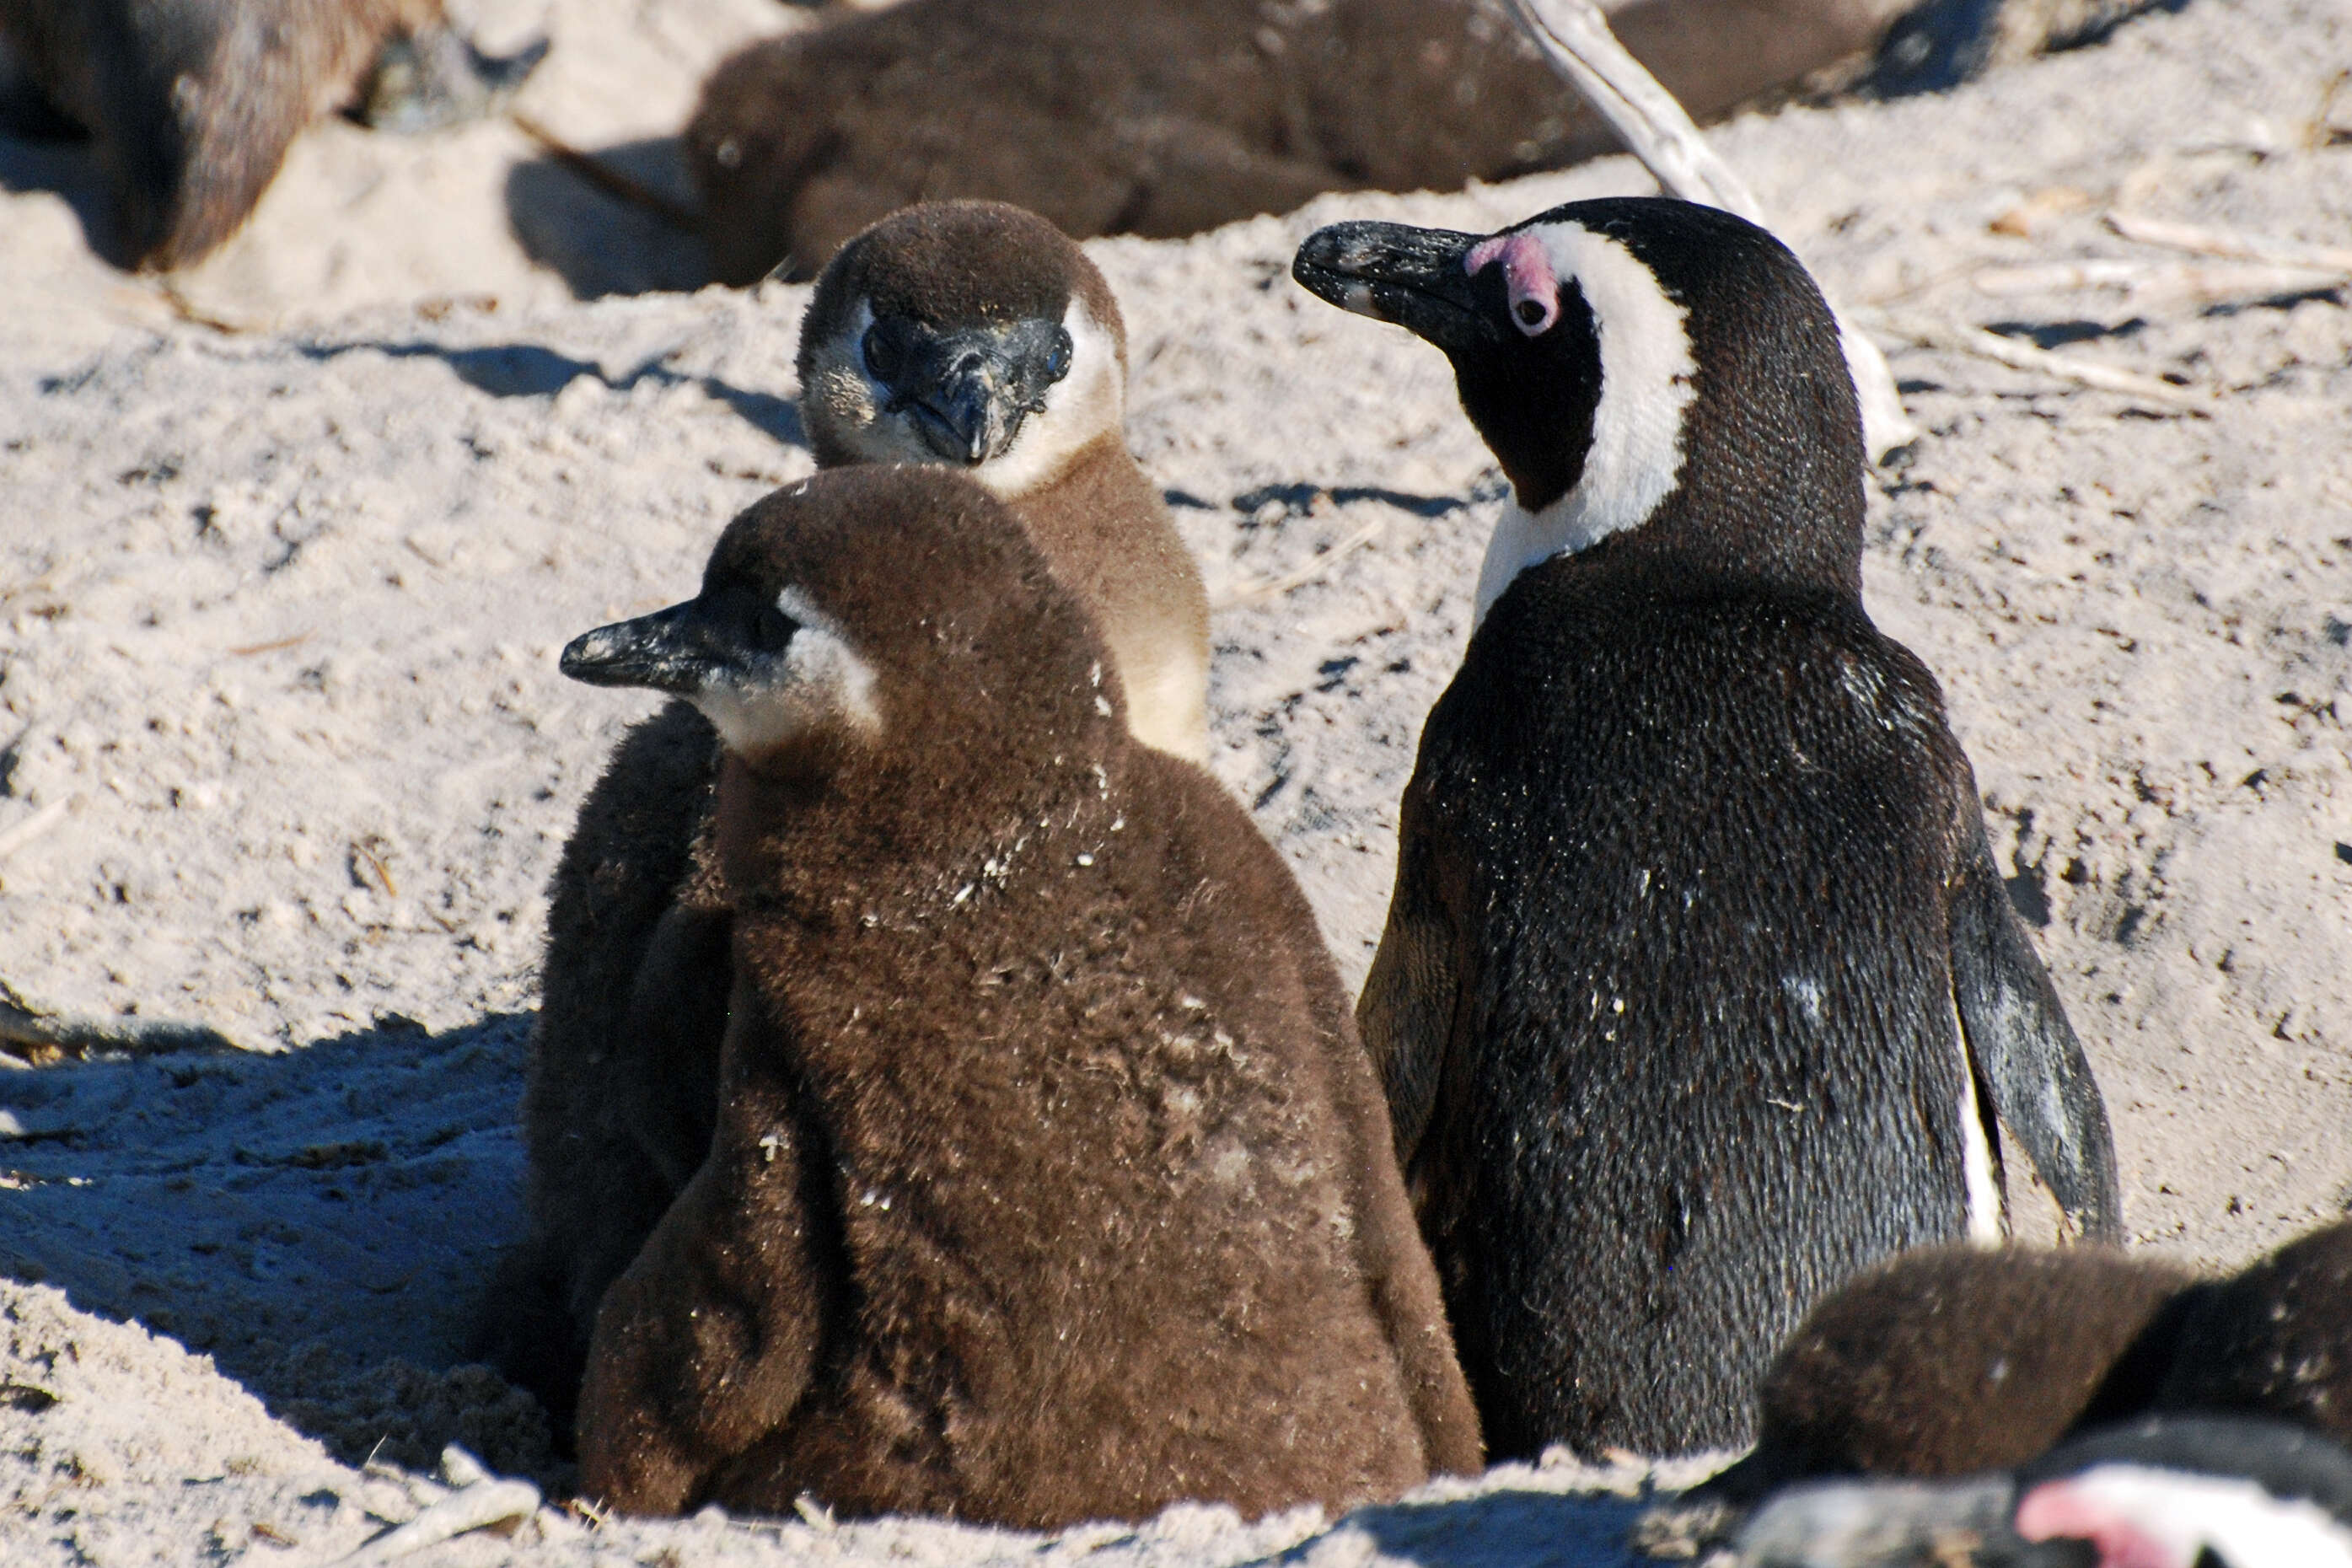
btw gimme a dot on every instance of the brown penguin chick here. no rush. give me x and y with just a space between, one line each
976 334
193 103
1005 356
2274 1340
1167 116
1952 1360
623 1084
1049 1180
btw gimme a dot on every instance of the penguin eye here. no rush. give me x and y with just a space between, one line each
1530 312
772 629
1057 357
882 356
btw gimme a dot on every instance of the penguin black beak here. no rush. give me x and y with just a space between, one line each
1416 277
666 651
969 390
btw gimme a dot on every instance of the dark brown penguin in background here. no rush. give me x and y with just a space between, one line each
1049 1182
1168 117
193 103
965 334
1699 987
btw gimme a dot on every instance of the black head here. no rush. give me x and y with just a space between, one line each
1640 367
894 615
968 333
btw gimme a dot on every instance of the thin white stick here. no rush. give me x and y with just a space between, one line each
1270 587
2204 241
33 826
1575 37
1951 337
469 1508
2161 285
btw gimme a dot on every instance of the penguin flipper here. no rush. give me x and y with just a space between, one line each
1406 1012
2025 1052
1395 1260
709 1341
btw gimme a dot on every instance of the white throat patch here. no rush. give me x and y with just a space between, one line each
1078 408
819 681
1648 381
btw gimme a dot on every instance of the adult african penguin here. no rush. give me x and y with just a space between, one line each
2178 1491
1699 987
1049 1182
966 334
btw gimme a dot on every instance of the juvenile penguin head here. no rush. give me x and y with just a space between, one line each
972 334
1638 366
879 612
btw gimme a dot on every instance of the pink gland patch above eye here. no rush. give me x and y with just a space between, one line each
2072 1511
1526 269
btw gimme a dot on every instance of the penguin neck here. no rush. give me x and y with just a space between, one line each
793 818
1771 526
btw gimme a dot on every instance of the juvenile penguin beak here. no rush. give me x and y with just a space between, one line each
664 651
1417 277
970 389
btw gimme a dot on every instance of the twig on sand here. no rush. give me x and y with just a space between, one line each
606 178
1273 587
2202 241
481 1500
2163 285
34 827
1952 337
249 649
40 1038
1575 37
188 310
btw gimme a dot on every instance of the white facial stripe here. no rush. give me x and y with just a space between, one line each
1648 381
851 402
819 681
1078 409
2184 1513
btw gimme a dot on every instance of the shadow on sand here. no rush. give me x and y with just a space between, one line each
617 220
323 1221
1510 1528
532 370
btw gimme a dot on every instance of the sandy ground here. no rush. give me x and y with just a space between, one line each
283 753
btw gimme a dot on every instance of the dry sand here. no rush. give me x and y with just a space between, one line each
284 754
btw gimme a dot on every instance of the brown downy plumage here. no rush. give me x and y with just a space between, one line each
2275 1340
1168 117
1007 357
1953 1360
977 334
193 103
1049 1182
